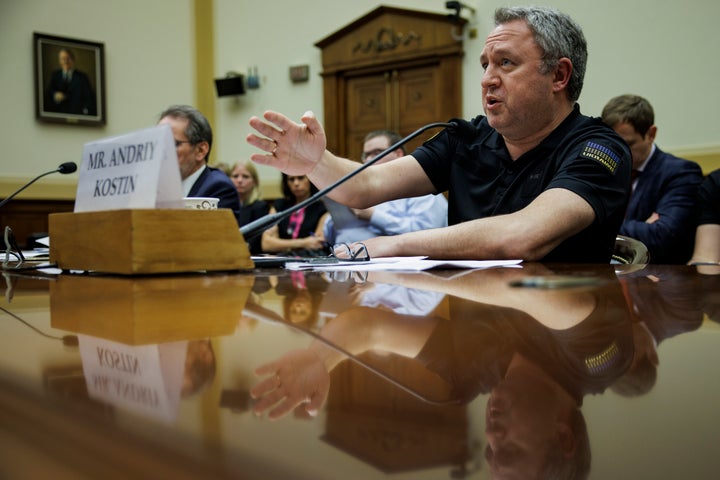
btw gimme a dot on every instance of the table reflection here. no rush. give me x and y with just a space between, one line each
146 379
408 373
536 353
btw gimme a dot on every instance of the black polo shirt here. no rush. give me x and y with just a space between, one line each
582 155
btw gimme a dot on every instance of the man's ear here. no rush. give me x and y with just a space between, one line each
563 70
652 131
201 150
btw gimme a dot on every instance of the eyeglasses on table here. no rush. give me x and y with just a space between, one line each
13 258
355 252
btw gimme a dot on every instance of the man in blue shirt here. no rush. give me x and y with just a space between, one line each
390 218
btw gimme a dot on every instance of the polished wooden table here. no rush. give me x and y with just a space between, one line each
596 371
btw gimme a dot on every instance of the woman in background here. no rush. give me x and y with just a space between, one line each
245 178
301 232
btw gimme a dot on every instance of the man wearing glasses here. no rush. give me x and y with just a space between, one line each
193 140
390 218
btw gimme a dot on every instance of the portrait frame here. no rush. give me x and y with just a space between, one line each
77 98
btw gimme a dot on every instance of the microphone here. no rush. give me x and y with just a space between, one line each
250 230
67 167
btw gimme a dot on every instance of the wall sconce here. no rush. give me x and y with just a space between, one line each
232 84
253 80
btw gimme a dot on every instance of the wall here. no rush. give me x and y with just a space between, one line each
666 54
148 65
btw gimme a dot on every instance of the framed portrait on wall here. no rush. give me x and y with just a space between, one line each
69 80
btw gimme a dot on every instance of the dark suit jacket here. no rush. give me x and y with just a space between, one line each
668 185
79 95
215 183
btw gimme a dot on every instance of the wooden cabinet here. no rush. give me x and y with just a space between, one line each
30 217
392 69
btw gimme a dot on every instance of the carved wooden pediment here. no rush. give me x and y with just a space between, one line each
389 34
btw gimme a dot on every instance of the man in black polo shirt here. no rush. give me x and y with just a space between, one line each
532 179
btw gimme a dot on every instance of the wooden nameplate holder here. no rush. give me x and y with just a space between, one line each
148 241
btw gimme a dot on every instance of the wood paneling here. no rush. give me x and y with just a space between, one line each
392 69
27 217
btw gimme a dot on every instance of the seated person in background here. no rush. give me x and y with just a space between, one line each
390 218
247 183
707 215
533 179
200 367
193 140
660 212
301 232
226 169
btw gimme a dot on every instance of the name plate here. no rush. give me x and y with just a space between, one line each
130 216
135 170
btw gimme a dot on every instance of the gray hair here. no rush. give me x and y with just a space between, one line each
557 35
198 128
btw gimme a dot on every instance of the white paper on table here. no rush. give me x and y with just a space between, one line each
414 264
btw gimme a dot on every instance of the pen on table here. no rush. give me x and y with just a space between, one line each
555 281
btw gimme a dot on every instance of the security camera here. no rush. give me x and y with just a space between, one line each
458 6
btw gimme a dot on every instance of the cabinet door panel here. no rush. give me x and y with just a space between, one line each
367 101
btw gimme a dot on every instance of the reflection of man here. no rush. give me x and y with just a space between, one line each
666 302
535 353
70 90
200 366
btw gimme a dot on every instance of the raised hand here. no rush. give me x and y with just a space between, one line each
293 148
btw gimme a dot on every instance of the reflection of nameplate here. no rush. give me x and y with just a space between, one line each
388 428
145 379
142 241
138 311
395 442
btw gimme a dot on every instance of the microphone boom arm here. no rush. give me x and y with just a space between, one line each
67 167
256 227
7 199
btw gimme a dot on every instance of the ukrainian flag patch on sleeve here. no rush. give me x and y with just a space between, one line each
601 154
